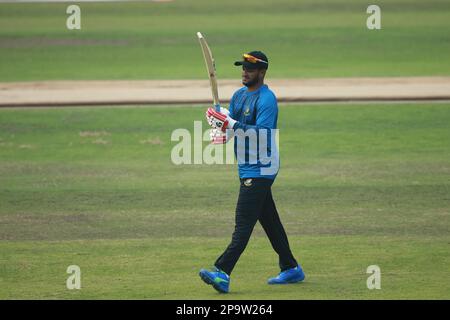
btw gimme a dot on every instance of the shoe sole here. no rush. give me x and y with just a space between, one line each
208 281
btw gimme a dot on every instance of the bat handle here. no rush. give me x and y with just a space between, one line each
217 107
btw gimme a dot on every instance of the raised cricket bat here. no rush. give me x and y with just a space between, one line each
211 68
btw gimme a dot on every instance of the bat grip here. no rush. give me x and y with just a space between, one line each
217 107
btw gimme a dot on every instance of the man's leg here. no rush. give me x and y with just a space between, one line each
249 206
270 221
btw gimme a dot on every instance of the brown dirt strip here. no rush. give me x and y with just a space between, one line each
160 92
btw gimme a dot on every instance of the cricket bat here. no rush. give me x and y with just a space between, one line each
211 68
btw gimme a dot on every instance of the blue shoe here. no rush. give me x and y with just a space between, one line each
288 276
217 278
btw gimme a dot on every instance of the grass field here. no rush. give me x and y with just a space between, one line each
312 38
95 187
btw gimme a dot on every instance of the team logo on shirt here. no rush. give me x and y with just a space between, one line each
247 182
247 111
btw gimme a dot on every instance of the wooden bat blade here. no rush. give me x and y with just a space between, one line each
210 67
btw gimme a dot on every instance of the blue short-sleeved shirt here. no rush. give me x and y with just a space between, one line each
256 114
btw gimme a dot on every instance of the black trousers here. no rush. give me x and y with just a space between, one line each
255 203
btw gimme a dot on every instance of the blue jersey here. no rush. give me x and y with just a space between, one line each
256 114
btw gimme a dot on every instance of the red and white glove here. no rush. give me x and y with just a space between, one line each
217 136
220 120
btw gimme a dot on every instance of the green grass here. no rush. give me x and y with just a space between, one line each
167 269
147 40
359 185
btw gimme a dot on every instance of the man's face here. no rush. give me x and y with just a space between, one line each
251 77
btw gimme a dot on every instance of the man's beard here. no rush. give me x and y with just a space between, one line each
250 83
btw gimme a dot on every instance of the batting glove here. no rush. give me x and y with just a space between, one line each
217 136
219 120
225 111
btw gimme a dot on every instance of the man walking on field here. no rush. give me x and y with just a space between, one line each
252 119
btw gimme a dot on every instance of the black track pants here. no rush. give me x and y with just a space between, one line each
255 203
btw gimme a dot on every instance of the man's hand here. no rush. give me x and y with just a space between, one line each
220 120
217 136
